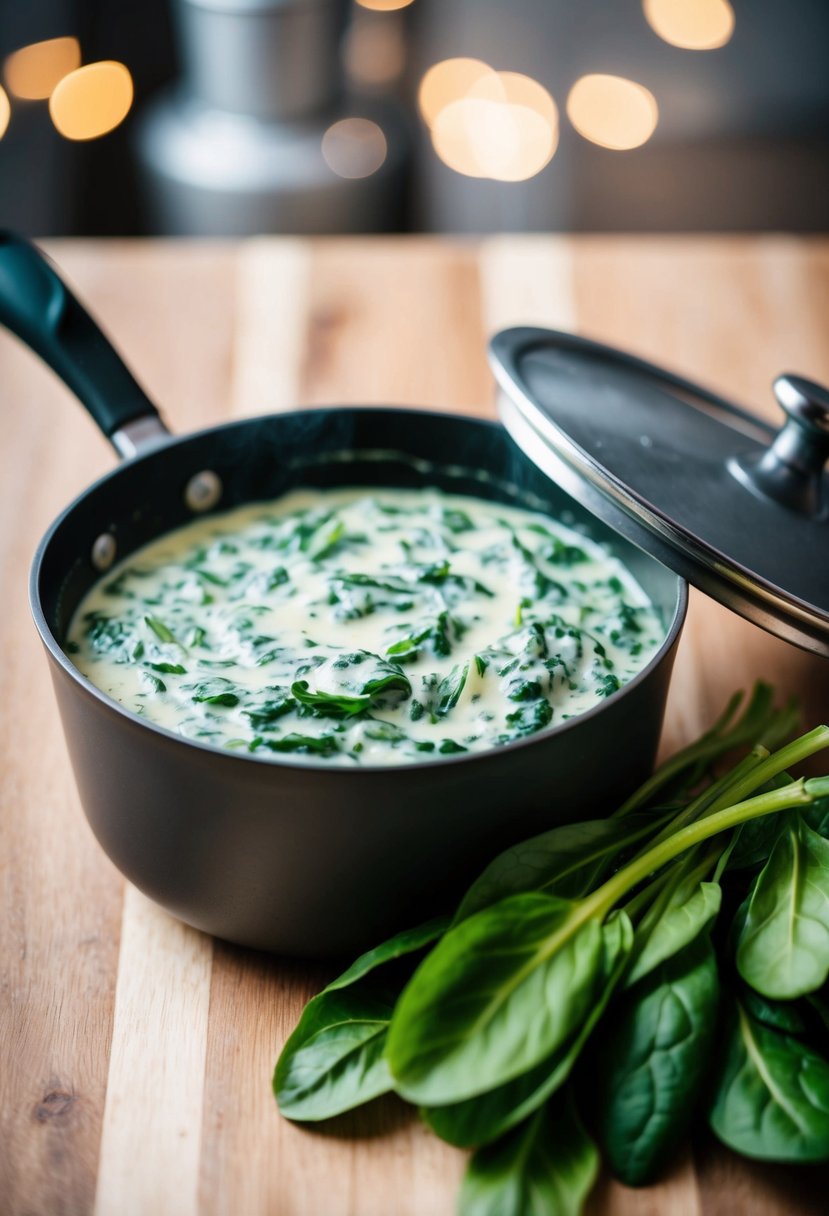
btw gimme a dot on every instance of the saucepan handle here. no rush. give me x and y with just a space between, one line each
37 306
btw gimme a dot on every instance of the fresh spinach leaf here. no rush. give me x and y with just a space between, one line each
817 817
755 840
684 917
783 948
778 1015
481 1119
409 941
499 994
334 1059
545 1167
652 1063
771 1099
566 861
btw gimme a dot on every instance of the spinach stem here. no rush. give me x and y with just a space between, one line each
798 793
715 797
683 876
753 771
758 719
786 757
649 894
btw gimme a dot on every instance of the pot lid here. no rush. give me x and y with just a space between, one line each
737 508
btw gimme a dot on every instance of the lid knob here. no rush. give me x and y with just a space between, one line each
791 470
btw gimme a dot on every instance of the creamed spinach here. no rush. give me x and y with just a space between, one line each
365 627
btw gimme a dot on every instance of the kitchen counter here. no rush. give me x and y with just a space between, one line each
137 1053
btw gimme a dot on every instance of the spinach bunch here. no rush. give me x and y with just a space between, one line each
685 938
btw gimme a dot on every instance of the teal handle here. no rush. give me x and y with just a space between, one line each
37 306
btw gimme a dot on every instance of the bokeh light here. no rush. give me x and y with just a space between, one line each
499 125
33 72
519 90
446 82
612 111
459 129
478 138
5 111
384 6
354 147
92 100
374 52
694 25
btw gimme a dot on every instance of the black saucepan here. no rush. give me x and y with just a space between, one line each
286 854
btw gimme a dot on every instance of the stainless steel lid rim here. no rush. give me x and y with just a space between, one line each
640 509
768 611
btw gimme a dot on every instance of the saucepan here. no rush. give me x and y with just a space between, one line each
288 854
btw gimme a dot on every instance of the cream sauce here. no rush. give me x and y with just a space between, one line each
365 626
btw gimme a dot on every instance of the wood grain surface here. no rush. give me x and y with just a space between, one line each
137 1053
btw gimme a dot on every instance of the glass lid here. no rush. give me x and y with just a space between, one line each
737 508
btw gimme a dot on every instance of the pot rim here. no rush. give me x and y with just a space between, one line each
277 762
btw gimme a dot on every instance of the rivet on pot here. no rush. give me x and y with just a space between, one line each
203 491
103 551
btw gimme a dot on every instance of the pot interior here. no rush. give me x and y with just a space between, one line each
263 458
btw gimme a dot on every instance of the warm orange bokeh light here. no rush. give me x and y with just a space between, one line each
354 147
506 129
92 100
612 111
500 125
448 81
694 25
33 72
518 90
384 6
5 112
455 135
494 139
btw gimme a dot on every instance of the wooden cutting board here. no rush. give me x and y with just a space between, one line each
137 1053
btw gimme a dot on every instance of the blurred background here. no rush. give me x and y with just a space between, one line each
230 117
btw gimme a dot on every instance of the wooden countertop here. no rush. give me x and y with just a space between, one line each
137 1053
